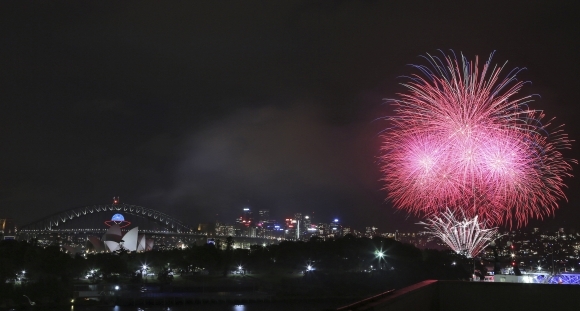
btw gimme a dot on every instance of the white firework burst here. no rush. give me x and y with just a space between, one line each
465 236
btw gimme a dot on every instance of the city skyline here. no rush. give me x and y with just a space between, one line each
204 109
86 217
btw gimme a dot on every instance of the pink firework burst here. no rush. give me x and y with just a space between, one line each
461 139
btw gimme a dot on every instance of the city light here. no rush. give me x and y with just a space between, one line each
380 255
522 245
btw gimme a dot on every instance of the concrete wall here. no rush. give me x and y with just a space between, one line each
420 296
456 295
477 296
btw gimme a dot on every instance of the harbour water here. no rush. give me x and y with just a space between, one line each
260 306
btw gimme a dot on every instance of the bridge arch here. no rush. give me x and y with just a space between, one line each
53 221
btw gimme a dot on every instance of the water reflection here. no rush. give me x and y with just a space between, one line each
278 306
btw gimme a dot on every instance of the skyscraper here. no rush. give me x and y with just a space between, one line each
264 215
299 225
335 228
246 218
307 222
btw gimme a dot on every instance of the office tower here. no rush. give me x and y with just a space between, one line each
264 215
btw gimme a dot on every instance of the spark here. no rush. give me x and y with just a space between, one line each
466 236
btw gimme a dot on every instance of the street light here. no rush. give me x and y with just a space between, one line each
380 255
145 268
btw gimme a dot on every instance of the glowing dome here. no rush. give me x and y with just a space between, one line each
119 220
118 217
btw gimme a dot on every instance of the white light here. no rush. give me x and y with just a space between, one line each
335 220
462 234
116 287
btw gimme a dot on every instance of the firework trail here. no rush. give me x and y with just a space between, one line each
466 236
460 138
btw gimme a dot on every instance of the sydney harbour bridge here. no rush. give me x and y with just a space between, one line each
89 220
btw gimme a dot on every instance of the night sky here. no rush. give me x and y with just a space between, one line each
199 109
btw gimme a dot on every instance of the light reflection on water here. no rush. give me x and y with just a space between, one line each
278 306
210 307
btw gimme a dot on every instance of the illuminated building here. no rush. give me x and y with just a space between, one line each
299 225
7 228
322 229
371 231
246 219
264 215
335 228
114 240
307 222
203 228
225 230
290 224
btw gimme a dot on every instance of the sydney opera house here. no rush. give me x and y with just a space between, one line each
114 239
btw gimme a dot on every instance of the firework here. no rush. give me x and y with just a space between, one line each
460 138
466 236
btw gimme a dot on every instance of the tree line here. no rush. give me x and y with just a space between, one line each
370 264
